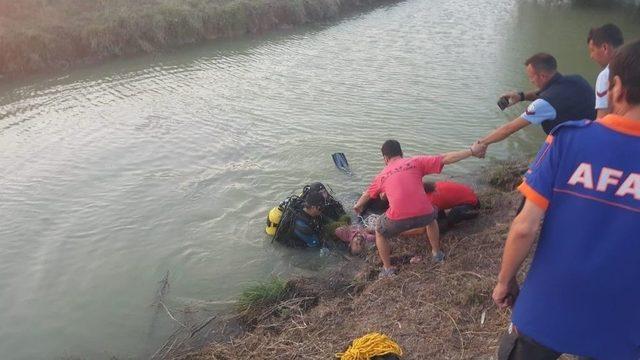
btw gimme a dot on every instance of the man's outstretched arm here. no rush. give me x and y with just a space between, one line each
476 150
504 131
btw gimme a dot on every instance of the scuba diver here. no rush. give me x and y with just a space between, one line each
299 220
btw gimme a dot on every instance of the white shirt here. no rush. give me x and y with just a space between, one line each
539 111
602 89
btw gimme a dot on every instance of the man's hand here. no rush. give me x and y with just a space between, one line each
505 294
358 207
479 150
512 96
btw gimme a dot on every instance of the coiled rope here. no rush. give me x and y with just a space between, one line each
372 344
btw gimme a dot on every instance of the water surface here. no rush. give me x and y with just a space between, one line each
115 174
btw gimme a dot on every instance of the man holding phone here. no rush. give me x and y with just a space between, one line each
558 99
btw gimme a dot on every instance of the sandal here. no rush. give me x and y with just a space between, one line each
387 273
438 257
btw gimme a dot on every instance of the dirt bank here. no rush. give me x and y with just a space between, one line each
38 35
432 311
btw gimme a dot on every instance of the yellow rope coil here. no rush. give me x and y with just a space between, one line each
372 344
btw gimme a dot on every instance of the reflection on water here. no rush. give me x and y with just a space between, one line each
114 175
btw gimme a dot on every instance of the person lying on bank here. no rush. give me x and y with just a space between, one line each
356 236
409 206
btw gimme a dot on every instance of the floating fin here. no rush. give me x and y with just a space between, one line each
341 162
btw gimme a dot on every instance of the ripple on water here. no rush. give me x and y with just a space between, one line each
115 175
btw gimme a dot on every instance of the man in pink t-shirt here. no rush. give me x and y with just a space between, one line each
409 205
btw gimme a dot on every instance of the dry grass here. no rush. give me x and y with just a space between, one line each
505 175
432 311
45 34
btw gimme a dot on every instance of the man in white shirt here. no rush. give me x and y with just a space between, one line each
603 42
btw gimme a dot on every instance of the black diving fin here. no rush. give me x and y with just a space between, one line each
341 162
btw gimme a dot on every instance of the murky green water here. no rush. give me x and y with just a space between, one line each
113 175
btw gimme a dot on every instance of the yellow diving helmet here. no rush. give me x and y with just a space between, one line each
273 219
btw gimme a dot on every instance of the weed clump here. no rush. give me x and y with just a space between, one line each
329 230
263 294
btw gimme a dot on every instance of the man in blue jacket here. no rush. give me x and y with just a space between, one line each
581 294
558 98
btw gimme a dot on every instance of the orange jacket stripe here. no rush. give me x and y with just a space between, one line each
533 195
621 124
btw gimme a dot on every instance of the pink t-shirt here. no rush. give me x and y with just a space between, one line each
401 181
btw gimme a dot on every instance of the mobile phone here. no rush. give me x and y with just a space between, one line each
503 102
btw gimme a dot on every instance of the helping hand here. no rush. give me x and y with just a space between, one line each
479 150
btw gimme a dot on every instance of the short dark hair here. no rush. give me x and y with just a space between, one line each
608 33
542 62
429 186
391 148
314 199
626 65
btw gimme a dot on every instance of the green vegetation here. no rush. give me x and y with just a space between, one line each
45 34
329 230
263 294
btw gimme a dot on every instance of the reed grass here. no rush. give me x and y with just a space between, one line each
262 294
48 34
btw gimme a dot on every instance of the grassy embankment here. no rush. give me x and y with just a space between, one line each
48 34
432 311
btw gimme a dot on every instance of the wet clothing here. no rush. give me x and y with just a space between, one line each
332 208
401 181
390 228
449 194
306 230
602 89
581 295
296 227
299 229
564 98
346 233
